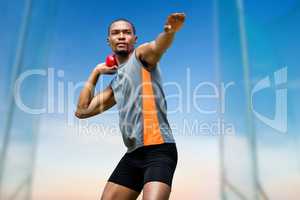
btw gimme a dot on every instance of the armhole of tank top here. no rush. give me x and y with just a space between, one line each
140 63
112 82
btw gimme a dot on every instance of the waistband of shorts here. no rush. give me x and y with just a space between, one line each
155 146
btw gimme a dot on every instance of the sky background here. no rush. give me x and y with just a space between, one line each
73 158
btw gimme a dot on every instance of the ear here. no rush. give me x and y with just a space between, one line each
135 39
107 41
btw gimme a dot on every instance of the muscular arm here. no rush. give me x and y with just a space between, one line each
90 105
151 52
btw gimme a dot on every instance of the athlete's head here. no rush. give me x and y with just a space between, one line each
121 37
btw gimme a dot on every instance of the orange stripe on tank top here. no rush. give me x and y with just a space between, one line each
152 134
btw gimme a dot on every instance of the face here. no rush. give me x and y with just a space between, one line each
121 38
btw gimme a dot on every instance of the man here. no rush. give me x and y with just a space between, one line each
151 157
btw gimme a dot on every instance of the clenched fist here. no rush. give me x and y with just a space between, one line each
174 22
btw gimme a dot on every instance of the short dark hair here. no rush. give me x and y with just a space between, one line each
122 19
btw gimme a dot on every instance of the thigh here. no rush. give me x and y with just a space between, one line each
113 191
156 191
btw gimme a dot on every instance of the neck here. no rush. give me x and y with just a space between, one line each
123 58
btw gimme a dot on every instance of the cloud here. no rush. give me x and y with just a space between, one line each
75 166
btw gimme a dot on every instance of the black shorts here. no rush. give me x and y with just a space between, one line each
147 163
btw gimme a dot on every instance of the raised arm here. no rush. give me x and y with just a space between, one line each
90 105
150 53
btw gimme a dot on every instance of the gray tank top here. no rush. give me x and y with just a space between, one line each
141 104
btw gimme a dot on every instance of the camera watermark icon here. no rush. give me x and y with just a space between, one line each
279 122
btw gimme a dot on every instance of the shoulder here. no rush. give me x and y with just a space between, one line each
141 50
143 54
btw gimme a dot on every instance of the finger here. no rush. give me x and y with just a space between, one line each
181 17
169 17
115 67
109 67
176 18
113 71
178 14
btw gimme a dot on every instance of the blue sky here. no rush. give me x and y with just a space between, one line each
72 37
76 33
